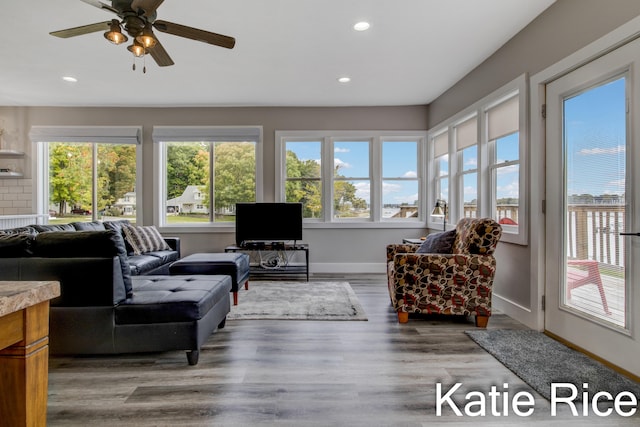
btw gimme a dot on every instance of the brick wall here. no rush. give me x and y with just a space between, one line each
16 196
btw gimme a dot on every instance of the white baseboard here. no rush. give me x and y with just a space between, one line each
347 267
514 310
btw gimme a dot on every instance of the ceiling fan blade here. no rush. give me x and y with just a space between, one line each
100 5
195 34
85 29
149 6
160 55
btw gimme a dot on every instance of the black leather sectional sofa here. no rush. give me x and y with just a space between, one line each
113 301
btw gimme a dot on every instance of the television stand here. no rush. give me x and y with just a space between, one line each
274 258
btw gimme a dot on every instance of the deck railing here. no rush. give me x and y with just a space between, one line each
503 211
593 232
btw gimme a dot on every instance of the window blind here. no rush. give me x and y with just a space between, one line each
467 133
503 119
207 133
441 144
93 134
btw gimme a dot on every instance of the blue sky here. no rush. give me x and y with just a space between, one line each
507 149
595 138
399 161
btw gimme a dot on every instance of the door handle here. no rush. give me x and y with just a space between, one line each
630 234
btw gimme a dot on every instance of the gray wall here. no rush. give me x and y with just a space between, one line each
565 27
342 249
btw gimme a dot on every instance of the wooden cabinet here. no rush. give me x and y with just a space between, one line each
24 351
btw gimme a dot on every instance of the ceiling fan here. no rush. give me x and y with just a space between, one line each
138 18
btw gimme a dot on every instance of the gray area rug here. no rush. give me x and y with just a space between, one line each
540 360
290 300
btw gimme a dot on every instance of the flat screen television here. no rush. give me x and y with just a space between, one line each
268 222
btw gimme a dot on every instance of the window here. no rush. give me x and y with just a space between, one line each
204 171
489 141
303 176
504 149
351 177
441 169
351 180
400 183
467 145
87 173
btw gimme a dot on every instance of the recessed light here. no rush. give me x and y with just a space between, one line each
362 26
344 79
69 79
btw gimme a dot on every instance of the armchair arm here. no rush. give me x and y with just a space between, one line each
406 248
174 243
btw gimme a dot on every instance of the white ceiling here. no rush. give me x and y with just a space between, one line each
287 53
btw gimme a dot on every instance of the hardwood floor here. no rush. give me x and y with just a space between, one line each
300 373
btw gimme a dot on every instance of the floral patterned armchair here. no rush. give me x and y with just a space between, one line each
457 283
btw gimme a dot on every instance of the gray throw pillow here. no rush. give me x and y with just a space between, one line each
438 243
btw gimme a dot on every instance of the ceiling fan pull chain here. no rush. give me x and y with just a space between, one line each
144 63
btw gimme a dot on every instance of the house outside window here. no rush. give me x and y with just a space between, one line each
355 177
204 171
87 172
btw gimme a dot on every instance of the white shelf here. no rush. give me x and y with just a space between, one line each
11 174
4 152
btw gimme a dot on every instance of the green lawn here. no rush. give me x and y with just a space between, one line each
171 219
181 219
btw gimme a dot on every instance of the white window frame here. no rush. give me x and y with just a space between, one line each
165 134
461 172
436 177
486 185
327 139
420 147
41 136
333 180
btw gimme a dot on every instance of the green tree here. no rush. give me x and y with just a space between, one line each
304 185
306 191
235 174
187 164
70 175
344 196
116 173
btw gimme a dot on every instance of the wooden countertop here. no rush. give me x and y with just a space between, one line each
17 295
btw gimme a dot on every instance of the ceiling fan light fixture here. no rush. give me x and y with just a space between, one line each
146 38
137 49
114 35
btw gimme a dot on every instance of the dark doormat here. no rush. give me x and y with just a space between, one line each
540 361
